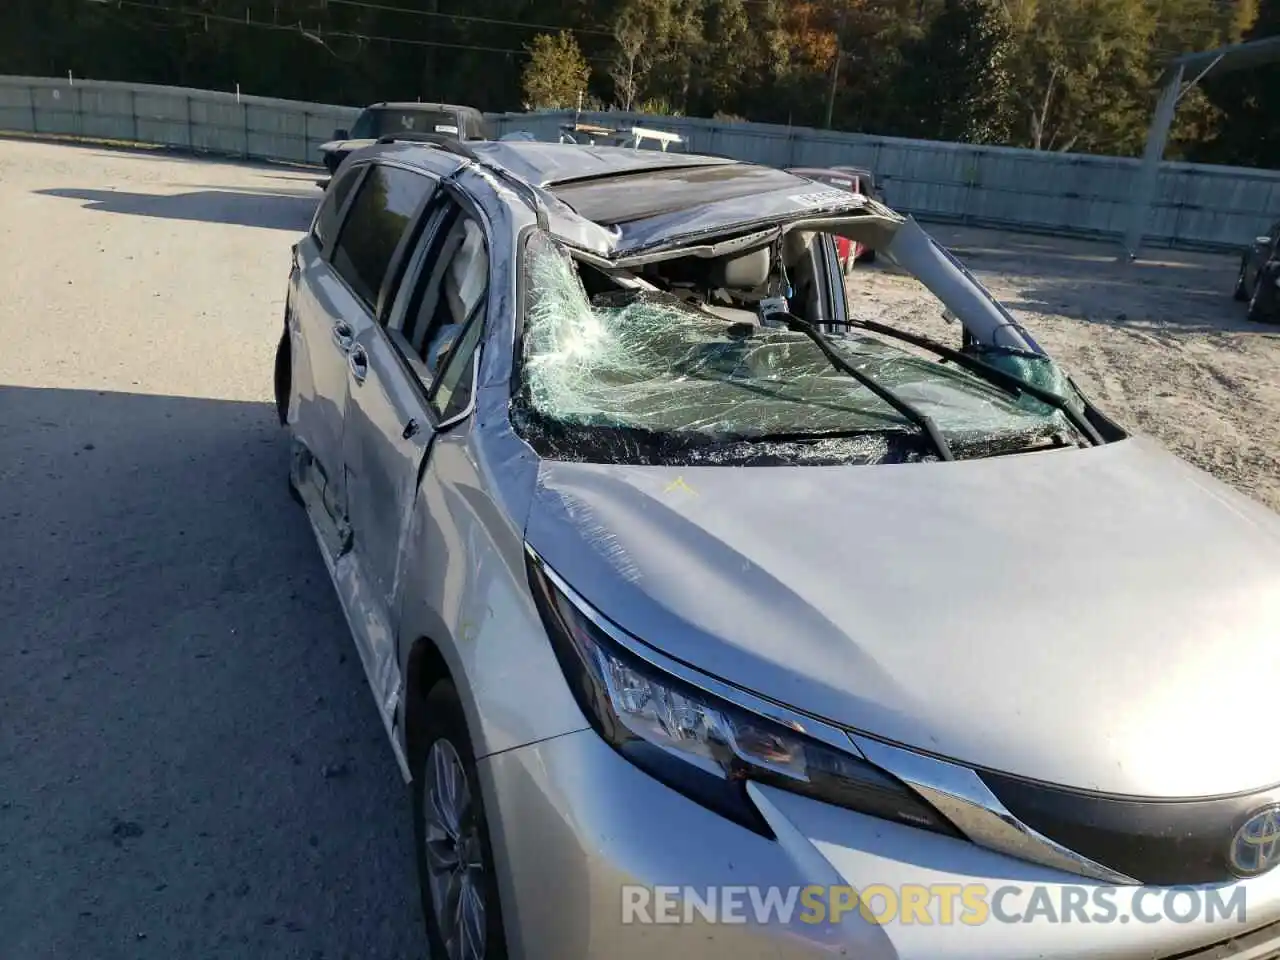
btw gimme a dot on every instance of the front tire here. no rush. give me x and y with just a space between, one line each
1262 305
283 376
1241 293
456 875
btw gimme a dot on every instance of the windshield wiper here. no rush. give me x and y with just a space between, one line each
989 373
923 421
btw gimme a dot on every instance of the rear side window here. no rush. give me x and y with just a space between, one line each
380 214
326 225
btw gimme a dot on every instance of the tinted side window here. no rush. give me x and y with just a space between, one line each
362 129
379 216
326 224
453 387
443 322
452 288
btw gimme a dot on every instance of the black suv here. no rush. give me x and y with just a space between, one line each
1259 280
404 121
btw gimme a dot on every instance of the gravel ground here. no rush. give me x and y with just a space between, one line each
190 762
1159 344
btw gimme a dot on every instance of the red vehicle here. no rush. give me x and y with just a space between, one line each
855 180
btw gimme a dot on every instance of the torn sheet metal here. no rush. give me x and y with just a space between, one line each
904 243
738 214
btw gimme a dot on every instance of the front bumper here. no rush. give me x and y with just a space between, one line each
579 834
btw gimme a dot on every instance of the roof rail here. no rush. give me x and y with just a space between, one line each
450 144
524 188
527 191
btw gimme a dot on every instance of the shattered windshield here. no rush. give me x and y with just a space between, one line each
642 375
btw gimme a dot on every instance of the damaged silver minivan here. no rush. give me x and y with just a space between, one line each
709 618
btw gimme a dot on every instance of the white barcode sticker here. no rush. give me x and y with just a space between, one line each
823 198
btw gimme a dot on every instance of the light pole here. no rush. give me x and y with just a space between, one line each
835 70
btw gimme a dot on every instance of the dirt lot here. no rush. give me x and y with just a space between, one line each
190 762
1160 345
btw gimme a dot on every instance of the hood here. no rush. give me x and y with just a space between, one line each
1104 619
345 146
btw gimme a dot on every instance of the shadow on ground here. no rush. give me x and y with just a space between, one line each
190 760
1083 279
279 210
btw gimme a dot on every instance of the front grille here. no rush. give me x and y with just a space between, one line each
1159 842
1225 949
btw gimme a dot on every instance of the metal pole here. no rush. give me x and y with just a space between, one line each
835 77
1149 173
835 68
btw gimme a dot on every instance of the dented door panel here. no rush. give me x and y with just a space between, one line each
326 321
465 589
386 439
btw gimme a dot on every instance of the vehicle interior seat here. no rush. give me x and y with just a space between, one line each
742 277
737 283
467 278
801 255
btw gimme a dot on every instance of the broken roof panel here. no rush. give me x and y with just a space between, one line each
626 197
546 164
795 201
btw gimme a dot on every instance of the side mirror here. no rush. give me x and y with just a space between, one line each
342 134
1262 241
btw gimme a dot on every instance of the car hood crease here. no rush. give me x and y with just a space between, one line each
1103 619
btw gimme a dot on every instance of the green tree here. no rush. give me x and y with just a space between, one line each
642 32
1188 26
1080 73
955 81
557 72
1249 130
1082 79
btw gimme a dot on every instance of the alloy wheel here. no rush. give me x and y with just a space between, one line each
453 853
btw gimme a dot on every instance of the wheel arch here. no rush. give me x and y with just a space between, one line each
425 666
283 374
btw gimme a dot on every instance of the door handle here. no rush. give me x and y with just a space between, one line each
358 360
343 335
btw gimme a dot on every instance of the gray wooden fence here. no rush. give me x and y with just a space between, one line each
197 120
1072 194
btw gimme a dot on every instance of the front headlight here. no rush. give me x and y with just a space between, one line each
700 744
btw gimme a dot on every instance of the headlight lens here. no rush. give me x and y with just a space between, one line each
704 746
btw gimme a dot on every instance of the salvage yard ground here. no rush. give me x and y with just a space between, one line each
190 763
1159 345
